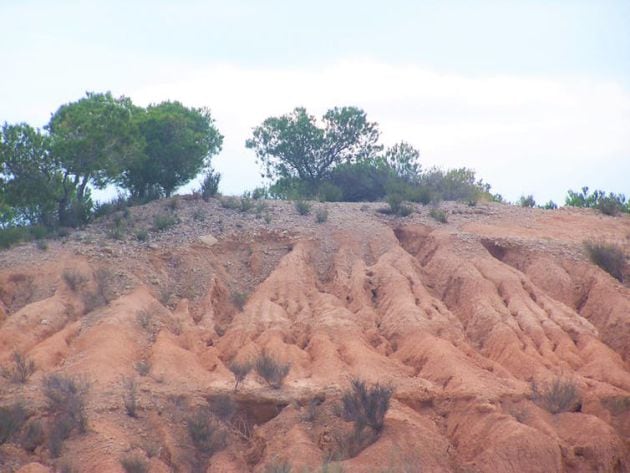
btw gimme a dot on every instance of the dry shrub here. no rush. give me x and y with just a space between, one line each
22 369
33 436
12 418
222 406
66 405
134 464
74 279
608 256
130 397
366 406
240 372
560 395
206 433
271 370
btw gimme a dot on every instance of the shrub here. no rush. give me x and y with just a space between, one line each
239 299
610 204
278 466
527 201
206 434
560 395
164 222
143 367
66 403
271 370
222 406
302 207
22 369
321 215
328 192
439 215
246 203
267 218
12 418
232 203
260 193
366 406
607 256
240 372
551 205
33 436
134 464
74 279
210 185
130 397
142 235
395 202
12 235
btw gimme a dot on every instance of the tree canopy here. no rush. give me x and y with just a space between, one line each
178 144
295 145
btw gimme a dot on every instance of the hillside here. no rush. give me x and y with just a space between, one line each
470 322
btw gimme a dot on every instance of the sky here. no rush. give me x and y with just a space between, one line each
533 95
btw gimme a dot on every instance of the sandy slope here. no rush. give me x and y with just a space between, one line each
458 318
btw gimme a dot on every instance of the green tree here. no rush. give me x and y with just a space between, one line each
30 179
178 144
403 158
295 146
91 139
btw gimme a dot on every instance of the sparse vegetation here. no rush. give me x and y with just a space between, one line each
246 202
142 235
560 395
240 372
210 185
134 464
130 397
303 207
164 222
22 369
222 406
33 436
439 215
239 299
527 201
74 279
278 466
366 406
143 367
12 418
271 370
233 203
608 256
66 405
609 204
321 215
207 435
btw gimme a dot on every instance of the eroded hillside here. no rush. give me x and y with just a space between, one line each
472 323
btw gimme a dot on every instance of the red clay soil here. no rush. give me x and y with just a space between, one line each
473 324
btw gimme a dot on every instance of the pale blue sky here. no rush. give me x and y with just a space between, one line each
534 95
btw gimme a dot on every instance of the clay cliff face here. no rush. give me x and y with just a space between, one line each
505 348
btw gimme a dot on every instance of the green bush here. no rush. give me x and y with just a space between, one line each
12 418
207 435
240 372
302 207
210 185
11 235
329 192
439 215
164 222
560 395
134 464
22 369
232 203
321 215
527 201
271 370
246 203
610 204
608 256
366 406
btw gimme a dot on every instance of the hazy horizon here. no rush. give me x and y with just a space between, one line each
535 96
